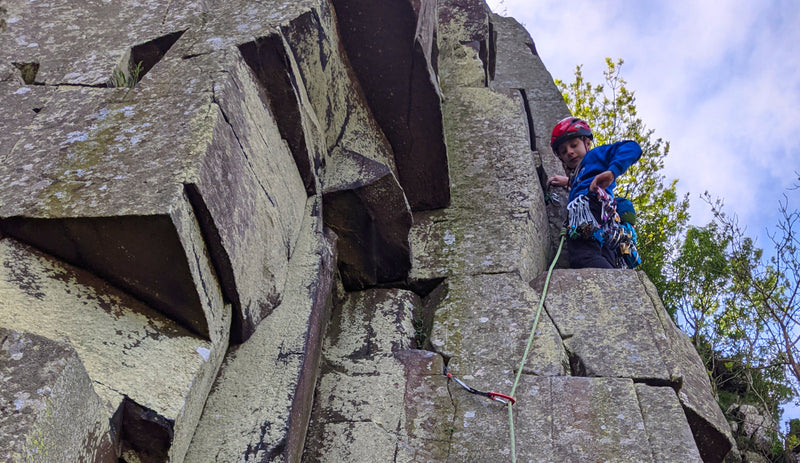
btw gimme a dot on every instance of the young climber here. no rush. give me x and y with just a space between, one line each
594 230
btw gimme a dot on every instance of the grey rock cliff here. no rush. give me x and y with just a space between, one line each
260 230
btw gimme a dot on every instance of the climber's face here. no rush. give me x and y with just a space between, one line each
572 151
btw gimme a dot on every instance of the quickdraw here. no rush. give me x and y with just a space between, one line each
496 396
582 223
608 211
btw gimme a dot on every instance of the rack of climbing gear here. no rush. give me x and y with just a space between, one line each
620 235
496 396
610 230
582 223
627 246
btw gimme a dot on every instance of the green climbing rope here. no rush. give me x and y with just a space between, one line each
530 342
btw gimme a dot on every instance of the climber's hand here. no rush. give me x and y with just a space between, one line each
601 181
558 180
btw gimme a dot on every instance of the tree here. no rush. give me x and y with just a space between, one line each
610 109
707 299
763 301
700 277
753 345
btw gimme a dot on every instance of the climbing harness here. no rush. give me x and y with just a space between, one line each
496 396
627 246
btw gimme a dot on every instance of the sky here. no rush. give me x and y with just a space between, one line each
719 80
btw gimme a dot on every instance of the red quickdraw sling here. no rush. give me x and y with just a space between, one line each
496 396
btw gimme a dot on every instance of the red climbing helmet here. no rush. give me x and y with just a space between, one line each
569 127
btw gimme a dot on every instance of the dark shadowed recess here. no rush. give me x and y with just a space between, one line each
268 60
143 432
367 256
713 444
488 53
27 71
139 254
390 62
146 55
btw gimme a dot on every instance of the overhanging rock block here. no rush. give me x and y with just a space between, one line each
126 250
73 187
370 215
359 158
392 50
254 194
125 346
245 181
276 71
261 401
332 87
124 163
50 410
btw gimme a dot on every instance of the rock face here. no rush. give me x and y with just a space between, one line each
392 48
50 410
753 425
263 231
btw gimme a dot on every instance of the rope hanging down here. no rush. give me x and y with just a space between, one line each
530 342
509 399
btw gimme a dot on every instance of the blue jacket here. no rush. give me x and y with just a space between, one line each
616 157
